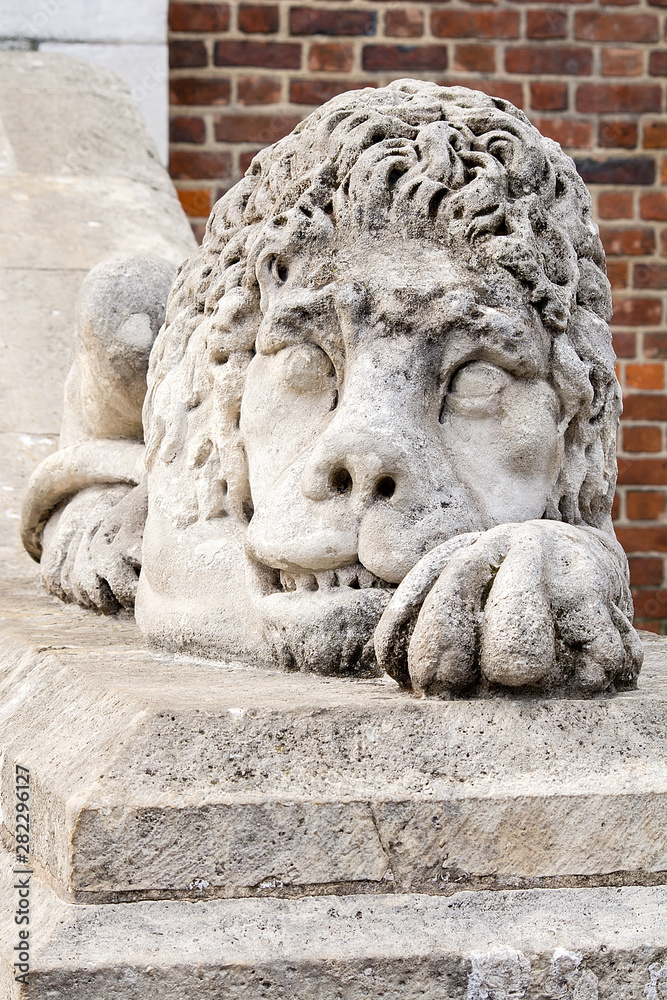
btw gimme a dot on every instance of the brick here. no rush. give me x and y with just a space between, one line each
646 571
546 24
307 21
245 159
196 202
608 98
319 91
655 345
594 26
655 135
615 507
261 129
657 63
255 18
198 16
645 505
187 129
272 55
476 24
663 171
663 243
647 438
642 539
653 206
657 3
617 272
622 62
650 603
404 57
649 376
475 58
555 60
625 345
548 96
637 312
187 53
642 472
406 23
618 135
258 90
650 276
635 170
196 165
330 57
615 205
196 90
645 407
569 133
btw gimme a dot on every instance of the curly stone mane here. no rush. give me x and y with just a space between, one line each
446 164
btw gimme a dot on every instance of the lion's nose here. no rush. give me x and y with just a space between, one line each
363 476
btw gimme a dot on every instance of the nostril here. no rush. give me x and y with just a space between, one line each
385 487
340 481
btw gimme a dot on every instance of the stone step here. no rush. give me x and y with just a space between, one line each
582 944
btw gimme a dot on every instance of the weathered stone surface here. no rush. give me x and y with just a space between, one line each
576 944
380 420
126 37
159 773
83 122
79 182
36 322
144 68
73 221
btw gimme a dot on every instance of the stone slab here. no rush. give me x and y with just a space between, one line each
85 20
83 121
144 68
582 944
38 305
81 183
66 222
159 774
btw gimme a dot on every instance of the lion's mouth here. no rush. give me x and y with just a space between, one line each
353 577
320 620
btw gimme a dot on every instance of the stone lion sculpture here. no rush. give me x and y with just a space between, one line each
380 417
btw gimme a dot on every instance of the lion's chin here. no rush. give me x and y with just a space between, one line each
321 622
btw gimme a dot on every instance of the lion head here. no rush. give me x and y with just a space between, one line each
395 332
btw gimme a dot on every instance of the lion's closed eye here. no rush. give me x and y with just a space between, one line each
305 368
475 389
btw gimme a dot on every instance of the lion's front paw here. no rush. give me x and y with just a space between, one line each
540 606
92 548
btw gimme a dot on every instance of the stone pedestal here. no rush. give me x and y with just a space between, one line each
339 838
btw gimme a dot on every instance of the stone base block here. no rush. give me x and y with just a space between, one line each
202 829
152 774
582 944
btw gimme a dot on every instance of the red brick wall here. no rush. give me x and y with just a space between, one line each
589 74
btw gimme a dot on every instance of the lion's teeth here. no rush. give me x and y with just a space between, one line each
356 576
